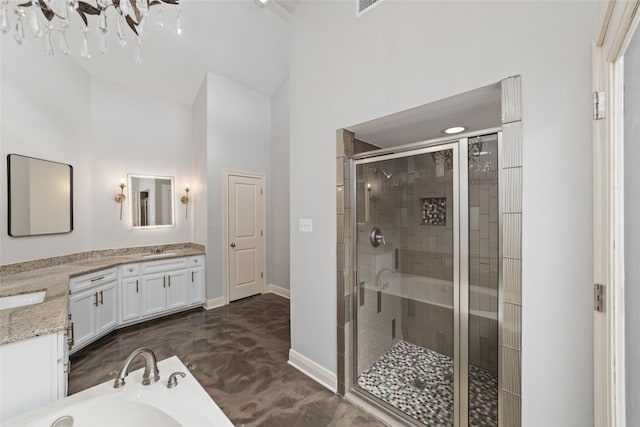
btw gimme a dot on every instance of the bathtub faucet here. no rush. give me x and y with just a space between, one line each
379 281
150 367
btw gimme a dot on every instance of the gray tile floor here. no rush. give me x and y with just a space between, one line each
238 353
419 382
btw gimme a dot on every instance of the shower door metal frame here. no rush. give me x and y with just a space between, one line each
459 145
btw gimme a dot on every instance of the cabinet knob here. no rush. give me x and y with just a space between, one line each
233 245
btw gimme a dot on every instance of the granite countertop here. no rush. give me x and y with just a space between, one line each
50 316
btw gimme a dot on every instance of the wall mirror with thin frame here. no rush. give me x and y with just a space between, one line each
40 196
151 201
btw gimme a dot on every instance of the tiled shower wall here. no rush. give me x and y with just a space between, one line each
395 189
484 261
510 302
427 251
346 146
379 312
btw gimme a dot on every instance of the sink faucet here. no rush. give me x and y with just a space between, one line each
150 364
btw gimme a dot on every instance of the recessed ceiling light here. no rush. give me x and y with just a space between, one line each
454 129
261 2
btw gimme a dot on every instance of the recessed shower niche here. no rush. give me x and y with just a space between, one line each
434 210
420 336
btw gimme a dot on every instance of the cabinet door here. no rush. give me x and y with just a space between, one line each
107 310
82 307
130 298
154 296
196 286
177 290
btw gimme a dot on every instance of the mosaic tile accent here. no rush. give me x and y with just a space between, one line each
419 382
434 211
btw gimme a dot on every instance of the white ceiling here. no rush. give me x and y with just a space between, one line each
476 110
236 39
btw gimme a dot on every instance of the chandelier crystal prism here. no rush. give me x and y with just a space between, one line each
49 19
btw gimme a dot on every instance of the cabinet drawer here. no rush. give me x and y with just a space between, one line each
90 280
196 261
164 265
129 270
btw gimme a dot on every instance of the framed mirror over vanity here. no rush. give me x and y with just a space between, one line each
151 201
40 196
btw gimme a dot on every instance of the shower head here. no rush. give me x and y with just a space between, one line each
387 175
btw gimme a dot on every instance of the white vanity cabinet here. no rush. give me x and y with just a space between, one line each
108 299
33 372
164 285
196 280
93 305
130 293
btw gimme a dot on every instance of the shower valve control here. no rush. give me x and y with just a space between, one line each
377 237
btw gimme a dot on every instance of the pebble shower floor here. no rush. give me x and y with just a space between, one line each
419 382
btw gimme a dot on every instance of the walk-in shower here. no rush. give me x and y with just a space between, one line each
425 312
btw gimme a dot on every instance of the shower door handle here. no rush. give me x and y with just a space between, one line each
376 237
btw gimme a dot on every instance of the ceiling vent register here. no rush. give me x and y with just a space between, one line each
364 6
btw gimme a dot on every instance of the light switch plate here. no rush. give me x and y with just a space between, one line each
306 225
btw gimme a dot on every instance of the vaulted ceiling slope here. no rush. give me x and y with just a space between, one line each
236 39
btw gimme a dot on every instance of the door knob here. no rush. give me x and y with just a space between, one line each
233 245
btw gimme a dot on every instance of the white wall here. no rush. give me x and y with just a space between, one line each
238 137
45 113
403 54
136 133
198 192
52 109
278 238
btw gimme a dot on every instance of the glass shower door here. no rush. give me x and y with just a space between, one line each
408 284
427 331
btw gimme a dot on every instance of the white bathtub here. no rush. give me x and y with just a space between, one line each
431 291
187 404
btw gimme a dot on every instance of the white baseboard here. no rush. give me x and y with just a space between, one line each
314 371
214 303
278 290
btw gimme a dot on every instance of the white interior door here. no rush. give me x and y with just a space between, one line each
245 235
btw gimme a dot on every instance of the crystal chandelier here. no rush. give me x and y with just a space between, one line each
128 13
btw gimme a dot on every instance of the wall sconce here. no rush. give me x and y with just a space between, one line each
185 199
120 197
